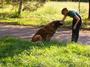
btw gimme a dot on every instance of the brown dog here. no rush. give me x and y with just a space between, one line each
45 33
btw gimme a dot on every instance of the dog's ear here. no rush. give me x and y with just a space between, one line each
58 22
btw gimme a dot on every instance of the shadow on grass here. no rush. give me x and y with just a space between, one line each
10 46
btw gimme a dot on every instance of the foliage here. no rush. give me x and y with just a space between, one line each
71 0
43 15
32 6
16 52
8 1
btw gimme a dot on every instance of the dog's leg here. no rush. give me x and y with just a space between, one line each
40 43
48 38
37 38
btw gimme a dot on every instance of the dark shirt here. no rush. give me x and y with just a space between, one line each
73 14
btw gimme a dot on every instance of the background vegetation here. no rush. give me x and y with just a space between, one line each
36 13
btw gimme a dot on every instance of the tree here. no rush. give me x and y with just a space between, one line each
79 6
89 11
20 7
1 3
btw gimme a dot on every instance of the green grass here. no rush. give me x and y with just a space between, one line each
22 53
50 11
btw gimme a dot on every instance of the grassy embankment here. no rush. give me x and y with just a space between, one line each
20 53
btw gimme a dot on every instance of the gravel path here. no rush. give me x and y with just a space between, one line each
26 32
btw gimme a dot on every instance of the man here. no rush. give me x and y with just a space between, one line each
76 24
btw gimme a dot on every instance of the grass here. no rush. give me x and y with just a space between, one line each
50 11
21 53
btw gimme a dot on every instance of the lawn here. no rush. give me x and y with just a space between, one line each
22 53
50 11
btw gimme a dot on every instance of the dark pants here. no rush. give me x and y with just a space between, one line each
75 32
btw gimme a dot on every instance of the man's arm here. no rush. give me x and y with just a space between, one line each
64 18
78 19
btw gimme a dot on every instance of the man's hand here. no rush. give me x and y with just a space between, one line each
74 26
62 21
78 19
64 18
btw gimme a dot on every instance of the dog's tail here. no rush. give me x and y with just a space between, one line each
36 38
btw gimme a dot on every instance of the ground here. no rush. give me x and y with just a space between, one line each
26 32
17 50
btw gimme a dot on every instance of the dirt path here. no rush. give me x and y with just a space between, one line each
26 32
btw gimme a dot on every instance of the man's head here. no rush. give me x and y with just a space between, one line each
64 11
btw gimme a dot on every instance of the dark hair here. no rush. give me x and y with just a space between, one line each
64 10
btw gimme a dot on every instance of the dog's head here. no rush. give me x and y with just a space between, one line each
57 23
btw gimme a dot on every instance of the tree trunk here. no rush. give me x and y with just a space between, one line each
79 6
89 11
20 7
1 3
